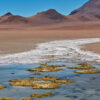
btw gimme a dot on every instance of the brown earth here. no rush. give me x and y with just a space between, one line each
94 47
19 38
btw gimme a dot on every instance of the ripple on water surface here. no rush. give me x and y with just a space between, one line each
86 87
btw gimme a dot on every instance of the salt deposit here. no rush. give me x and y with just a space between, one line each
54 50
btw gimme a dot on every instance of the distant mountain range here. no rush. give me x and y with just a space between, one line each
88 12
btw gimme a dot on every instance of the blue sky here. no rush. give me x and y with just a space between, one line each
31 7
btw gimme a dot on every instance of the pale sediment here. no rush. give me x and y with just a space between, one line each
54 50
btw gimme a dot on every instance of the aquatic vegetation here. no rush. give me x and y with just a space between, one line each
47 78
45 85
36 85
52 65
88 71
28 98
83 66
31 81
46 82
42 95
65 81
2 87
47 68
12 73
77 75
21 82
37 73
6 99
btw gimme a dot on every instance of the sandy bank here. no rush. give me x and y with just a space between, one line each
15 39
93 47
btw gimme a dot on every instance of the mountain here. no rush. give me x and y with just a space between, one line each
91 8
7 14
51 14
88 12
48 17
14 19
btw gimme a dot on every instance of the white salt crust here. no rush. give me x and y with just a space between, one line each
54 50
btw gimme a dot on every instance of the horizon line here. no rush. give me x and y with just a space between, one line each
34 14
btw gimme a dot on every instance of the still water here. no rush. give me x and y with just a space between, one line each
87 86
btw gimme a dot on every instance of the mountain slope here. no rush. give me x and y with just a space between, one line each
50 14
88 12
48 17
92 7
12 19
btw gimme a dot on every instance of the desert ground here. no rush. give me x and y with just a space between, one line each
20 38
94 47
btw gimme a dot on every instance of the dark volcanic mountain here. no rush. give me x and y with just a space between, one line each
10 18
92 7
51 14
88 12
47 17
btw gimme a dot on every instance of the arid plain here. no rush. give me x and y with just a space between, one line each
14 39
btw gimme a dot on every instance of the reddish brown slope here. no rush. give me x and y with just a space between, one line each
50 16
12 19
90 9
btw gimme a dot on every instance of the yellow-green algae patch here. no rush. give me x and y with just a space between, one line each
88 71
47 78
31 81
6 98
46 85
46 82
36 85
83 66
2 87
42 95
27 98
52 65
37 73
47 68
65 81
52 84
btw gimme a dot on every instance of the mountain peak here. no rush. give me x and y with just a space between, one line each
92 7
51 14
51 11
8 14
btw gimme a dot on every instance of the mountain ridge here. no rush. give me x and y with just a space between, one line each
88 12
92 7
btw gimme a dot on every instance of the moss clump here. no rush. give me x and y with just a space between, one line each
52 65
29 98
31 81
65 81
46 85
2 87
47 78
6 98
46 82
83 66
37 73
47 68
77 75
12 73
41 95
88 71
21 82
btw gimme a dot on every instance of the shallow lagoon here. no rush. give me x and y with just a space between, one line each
87 86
